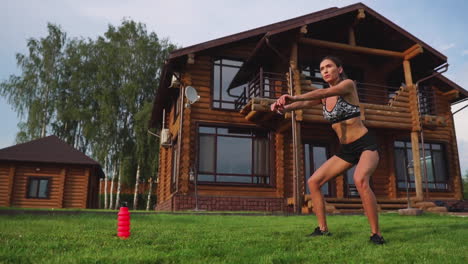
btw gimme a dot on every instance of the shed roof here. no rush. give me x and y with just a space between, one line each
49 149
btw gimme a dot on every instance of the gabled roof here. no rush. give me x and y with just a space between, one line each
404 41
297 22
49 149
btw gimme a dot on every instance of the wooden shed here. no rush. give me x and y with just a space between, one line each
48 173
244 157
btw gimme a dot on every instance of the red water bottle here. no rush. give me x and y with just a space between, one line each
123 222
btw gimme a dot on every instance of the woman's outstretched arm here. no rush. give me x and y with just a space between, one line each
343 88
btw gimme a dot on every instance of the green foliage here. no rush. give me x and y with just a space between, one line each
162 238
96 95
128 198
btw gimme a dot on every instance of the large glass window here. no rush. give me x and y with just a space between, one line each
233 155
435 162
38 188
315 155
224 71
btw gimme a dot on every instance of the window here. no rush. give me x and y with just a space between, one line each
437 176
223 73
233 155
315 155
350 187
38 188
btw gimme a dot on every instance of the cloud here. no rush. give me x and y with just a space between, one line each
445 47
465 52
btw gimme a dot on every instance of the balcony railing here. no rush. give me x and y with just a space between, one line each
272 85
263 85
375 93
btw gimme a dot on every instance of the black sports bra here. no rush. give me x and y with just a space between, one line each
342 111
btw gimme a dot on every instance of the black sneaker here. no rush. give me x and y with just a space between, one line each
376 239
318 232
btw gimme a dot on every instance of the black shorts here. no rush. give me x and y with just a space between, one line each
352 152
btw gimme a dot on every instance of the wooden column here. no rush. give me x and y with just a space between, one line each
11 184
296 131
279 146
416 128
184 141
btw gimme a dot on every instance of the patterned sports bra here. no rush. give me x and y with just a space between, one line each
342 111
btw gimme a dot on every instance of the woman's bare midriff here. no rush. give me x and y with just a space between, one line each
349 130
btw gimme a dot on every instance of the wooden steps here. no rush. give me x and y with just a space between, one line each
351 205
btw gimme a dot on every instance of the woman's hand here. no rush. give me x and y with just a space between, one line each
285 99
275 107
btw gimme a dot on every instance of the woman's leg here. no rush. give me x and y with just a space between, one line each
364 169
330 169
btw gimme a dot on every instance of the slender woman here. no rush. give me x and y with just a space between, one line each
358 147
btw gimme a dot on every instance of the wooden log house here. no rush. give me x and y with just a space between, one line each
241 156
48 173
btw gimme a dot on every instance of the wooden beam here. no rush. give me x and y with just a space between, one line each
347 47
385 107
411 49
451 95
414 53
250 116
383 124
191 58
407 71
303 29
361 14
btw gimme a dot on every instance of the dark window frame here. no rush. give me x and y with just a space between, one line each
327 146
442 150
221 101
270 156
39 179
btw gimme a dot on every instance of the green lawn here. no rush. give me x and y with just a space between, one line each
165 238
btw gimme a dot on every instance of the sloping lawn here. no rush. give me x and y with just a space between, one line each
166 238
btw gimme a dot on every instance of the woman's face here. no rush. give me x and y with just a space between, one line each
330 72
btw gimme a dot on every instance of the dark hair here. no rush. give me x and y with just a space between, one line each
338 63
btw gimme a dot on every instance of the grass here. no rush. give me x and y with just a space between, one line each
166 238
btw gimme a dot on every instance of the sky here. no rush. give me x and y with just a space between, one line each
440 24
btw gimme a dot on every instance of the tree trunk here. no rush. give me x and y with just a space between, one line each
105 192
137 184
111 195
117 198
148 202
105 185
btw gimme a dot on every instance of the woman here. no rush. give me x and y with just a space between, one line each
341 107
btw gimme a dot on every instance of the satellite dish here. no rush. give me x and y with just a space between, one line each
191 94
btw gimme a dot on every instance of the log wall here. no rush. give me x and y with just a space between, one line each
68 185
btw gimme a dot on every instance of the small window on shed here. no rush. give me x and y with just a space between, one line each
38 188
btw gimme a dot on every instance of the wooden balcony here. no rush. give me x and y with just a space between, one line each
381 106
